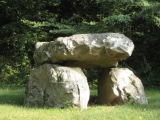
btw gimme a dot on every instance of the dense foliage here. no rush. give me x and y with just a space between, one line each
24 22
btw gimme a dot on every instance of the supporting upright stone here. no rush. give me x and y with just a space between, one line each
57 86
119 85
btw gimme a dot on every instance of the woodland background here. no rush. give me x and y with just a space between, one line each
24 22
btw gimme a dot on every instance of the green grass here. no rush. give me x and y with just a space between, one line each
11 108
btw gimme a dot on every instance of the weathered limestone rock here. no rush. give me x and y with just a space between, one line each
56 86
85 50
118 85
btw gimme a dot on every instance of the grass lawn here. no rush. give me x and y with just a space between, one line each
11 108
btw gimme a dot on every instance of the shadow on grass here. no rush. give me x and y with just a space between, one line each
15 96
154 103
11 99
12 95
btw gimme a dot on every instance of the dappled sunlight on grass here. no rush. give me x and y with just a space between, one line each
11 107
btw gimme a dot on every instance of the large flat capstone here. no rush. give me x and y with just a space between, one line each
85 50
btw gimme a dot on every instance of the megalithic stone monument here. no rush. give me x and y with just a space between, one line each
58 80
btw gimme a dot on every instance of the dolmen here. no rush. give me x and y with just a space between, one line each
58 79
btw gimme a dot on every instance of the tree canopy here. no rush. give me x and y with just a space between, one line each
24 22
